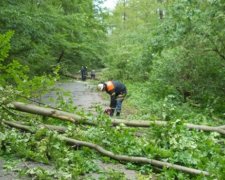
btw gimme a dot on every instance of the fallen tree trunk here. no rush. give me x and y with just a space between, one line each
205 128
221 127
133 159
19 125
70 76
77 77
110 154
34 109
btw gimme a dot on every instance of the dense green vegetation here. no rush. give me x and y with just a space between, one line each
170 54
50 32
181 54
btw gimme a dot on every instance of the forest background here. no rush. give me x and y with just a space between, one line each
170 54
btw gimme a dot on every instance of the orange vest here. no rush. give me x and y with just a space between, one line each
110 86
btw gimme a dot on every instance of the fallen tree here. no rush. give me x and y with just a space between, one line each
77 76
71 76
110 154
34 109
20 125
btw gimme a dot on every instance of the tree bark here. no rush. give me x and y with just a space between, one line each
70 76
20 125
34 109
49 112
60 57
110 154
221 127
133 159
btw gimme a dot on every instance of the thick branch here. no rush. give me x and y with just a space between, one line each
221 127
133 158
205 128
34 109
60 57
78 119
70 75
115 156
19 125
219 53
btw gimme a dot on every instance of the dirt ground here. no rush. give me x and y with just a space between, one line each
86 97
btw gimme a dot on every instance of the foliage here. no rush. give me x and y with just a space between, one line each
173 144
190 60
51 32
178 54
16 75
173 66
130 25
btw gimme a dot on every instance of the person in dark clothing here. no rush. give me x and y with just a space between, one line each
86 71
83 73
117 92
92 74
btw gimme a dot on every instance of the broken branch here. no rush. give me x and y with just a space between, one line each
34 109
110 154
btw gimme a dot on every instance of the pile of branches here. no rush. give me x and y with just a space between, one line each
76 119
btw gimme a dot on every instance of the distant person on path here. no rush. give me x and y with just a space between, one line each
117 92
92 74
83 73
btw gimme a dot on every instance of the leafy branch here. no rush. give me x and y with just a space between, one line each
110 154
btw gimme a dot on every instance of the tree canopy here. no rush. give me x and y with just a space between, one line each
179 52
50 32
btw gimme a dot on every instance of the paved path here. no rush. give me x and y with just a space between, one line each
84 95
6 175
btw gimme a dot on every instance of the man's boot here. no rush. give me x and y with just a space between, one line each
117 113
